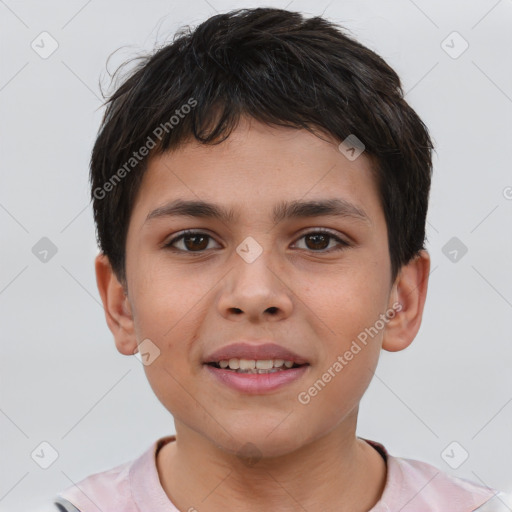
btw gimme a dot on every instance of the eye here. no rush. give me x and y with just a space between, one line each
190 241
197 241
320 241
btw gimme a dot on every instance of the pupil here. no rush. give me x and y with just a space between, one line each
196 237
317 238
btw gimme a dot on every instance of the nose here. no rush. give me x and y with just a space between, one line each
255 292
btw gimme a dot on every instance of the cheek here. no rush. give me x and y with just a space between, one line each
341 379
169 308
348 300
168 386
173 374
350 305
165 298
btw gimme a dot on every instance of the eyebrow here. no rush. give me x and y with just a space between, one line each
282 211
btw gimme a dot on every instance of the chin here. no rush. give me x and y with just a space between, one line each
258 443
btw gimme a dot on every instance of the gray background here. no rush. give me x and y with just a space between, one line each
62 380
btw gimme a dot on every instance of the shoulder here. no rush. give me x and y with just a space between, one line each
103 490
502 502
416 486
113 489
428 484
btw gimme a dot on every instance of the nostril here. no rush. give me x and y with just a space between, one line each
272 310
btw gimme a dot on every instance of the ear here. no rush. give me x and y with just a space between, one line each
117 308
410 290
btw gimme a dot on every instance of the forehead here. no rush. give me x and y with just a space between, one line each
255 171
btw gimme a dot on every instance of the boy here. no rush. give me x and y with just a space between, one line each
286 151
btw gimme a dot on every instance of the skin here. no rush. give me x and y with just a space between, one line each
307 456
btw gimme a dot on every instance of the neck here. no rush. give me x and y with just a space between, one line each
336 472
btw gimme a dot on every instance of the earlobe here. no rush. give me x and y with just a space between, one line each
118 313
410 291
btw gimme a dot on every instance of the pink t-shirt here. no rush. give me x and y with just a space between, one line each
411 486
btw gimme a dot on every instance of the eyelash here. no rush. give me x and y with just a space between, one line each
342 244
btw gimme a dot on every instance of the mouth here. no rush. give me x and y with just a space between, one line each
256 369
256 381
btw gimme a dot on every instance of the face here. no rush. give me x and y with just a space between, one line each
311 283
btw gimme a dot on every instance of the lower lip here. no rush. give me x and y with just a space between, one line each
257 383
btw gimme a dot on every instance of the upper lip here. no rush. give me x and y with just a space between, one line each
261 351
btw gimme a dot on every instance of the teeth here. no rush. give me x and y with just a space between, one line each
246 364
266 364
234 363
251 364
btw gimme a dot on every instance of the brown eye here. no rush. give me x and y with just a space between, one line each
195 242
321 241
190 242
